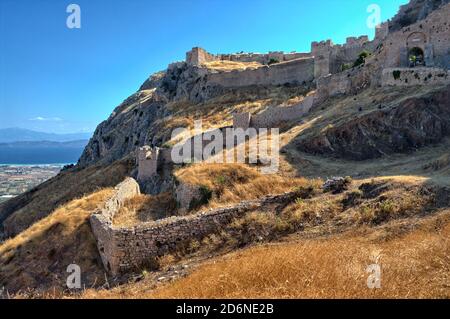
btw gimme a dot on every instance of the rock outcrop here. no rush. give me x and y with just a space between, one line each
414 11
413 123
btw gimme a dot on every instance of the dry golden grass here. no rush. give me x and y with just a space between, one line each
414 265
231 65
232 183
414 256
218 112
145 208
39 256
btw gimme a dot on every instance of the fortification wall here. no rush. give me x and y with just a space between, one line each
264 58
101 223
294 72
414 76
273 116
130 248
197 56
329 57
148 162
348 82
432 35
186 194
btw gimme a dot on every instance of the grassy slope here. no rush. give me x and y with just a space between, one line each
414 265
228 186
40 202
39 256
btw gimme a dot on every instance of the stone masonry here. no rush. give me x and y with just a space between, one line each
148 162
125 249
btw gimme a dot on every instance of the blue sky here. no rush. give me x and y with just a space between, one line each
61 80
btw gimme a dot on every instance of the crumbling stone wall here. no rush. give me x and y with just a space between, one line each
129 248
273 116
414 76
186 195
148 162
101 223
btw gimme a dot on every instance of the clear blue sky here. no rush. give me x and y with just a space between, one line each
57 79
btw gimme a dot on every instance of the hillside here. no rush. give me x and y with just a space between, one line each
362 177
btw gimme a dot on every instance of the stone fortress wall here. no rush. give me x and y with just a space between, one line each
415 76
197 56
431 36
298 71
125 249
324 64
151 159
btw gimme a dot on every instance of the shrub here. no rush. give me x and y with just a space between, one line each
361 58
272 61
346 66
397 74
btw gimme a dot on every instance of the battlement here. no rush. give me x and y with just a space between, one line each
356 41
321 45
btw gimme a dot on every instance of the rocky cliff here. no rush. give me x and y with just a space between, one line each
409 124
414 11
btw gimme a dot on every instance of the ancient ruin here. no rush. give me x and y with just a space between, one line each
416 54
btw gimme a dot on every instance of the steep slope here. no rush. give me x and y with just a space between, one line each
23 211
39 256
414 11
385 125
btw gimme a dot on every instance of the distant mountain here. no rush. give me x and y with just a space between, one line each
35 152
9 135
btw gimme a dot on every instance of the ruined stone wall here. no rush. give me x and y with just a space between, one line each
129 249
293 72
414 76
348 82
101 223
273 116
329 58
148 162
185 195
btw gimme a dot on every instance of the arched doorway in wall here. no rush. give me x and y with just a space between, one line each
415 44
416 57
